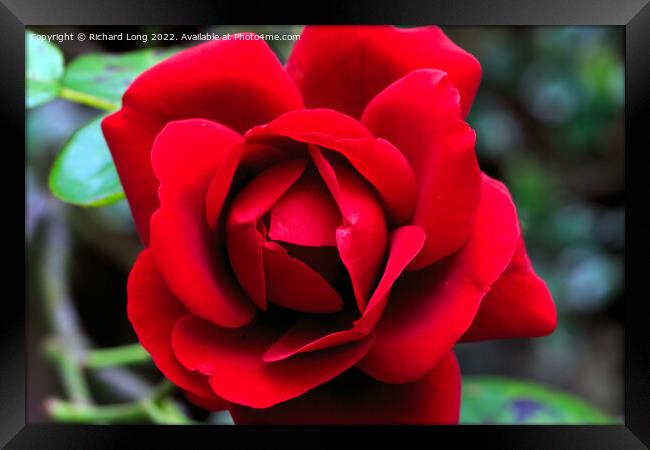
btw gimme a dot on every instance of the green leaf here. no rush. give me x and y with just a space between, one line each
43 72
83 173
100 79
494 400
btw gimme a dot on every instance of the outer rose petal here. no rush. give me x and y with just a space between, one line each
233 360
130 135
344 67
237 83
429 310
420 115
153 312
186 155
211 404
378 161
355 399
518 305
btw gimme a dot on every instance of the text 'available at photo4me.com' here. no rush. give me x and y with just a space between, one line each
153 37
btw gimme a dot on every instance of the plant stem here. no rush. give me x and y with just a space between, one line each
165 412
116 356
69 351
156 407
87 99
100 358
162 409
71 367
73 379
63 411
163 389
61 313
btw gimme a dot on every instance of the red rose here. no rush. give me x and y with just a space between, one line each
319 236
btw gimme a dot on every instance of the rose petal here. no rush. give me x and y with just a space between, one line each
239 83
243 237
362 239
406 243
324 260
420 115
306 214
220 186
429 310
411 111
130 135
259 156
259 196
294 285
356 399
153 312
211 404
344 67
233 360
311 334
378 161
447 213
518 305
219 80
187 153
245 251
185 156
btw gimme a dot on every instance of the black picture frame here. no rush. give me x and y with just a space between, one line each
633 15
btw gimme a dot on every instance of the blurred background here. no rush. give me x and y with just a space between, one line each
549 123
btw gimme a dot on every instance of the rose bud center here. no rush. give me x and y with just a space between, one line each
281 240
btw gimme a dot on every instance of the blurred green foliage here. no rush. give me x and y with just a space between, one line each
44 68
491 400
106 76
83 173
